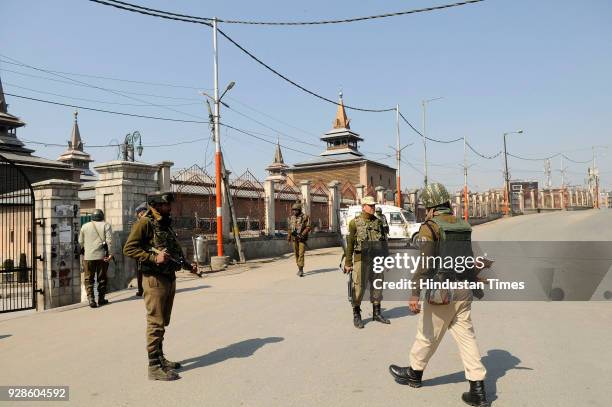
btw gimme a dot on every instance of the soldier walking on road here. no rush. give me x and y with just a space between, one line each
299 227
440 233
364 228
153 243
96 238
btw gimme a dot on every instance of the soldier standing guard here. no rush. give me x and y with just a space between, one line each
383 219
299 227
153 243
441 230
365 227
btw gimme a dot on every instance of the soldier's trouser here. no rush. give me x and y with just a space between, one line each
298 249
455 317
361 277
95 270
158 298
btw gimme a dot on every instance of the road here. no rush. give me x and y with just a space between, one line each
257 335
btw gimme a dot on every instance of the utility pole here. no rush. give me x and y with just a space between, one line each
547 173
507 209
465 187
398 158
425 141
218 157
562 173
594 182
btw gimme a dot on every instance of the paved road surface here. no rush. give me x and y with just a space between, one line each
260 336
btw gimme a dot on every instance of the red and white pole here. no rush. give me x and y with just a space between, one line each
218 158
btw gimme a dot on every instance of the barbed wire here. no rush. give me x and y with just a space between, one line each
117 4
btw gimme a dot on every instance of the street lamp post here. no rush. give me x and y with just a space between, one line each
424 104
128 146
507 209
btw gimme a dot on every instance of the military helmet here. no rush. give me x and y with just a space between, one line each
378 209
368 200
97 215
297 205
434 194
160 198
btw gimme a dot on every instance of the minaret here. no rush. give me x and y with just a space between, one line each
8 129
74 154
341 139
278 166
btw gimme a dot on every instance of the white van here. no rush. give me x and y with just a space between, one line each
402 223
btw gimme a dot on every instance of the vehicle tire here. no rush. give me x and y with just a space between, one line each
413 240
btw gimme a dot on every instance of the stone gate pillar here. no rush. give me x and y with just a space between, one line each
163 176
334 206
380 194
269 202
360 189
123 185
58 274
306 198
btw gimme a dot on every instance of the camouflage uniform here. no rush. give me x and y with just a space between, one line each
364 227
436 319
154 232
383 219
299 227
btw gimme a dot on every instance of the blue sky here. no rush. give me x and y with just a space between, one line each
500 65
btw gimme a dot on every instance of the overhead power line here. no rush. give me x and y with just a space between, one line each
108 111
117 3
178 143
534 159
428 138
487 157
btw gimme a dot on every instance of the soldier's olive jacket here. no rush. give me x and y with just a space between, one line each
364 227
153 231
299 224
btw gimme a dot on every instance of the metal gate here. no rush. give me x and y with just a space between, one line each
17 239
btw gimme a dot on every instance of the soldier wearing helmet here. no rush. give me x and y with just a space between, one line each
96 239
450 311
153 243
383 219
364 228
299 227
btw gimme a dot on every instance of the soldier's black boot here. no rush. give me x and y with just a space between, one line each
158 372
357 318
406 375
92 302
300 272
476 396
101 299
167 363
377 316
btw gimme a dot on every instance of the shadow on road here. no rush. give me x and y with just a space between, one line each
187 289
393 313
497 361
5 336
313 272
241 349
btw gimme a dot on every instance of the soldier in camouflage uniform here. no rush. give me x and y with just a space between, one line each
153 243
383 219
365 227
299 227
437 318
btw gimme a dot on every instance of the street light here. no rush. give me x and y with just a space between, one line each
507 209
424 104
128 146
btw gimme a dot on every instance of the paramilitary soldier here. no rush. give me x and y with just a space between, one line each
365 227
383 219
444 310
299 227
153 243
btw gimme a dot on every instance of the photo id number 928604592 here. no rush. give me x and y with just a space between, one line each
34 393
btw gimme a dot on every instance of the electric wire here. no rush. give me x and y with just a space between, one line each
286 23
425 137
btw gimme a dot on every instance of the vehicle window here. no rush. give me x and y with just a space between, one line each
395 218
409 216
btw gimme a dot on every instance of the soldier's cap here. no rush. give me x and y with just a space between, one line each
160 197
140 208
368 200
297 205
